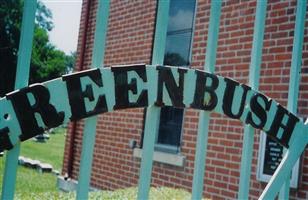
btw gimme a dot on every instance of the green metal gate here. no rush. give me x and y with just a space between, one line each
294 143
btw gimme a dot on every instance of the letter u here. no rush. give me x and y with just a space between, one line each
229 98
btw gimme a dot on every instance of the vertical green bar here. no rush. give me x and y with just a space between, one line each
204 117
287 163
254 76
296 61
100 34
295 75
88 140
153 112
160 32
22 77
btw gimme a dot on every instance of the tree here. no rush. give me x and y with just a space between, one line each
10 18
70 62
46 61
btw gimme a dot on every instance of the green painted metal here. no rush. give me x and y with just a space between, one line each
152 115
297 143
88 140
58 87
100 33
22 77
12 123
150 86
293 91
298 137
153 112
295 75
285 189
110 85
287 163
25 44
160 32
204 117
296 61
254 76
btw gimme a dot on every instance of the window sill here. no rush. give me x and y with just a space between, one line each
162 157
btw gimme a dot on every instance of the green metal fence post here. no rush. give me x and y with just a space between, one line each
286 165
254 76
153 112
295 74
204 117
88 140
22 77
293 153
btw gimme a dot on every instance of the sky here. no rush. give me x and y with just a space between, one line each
66 18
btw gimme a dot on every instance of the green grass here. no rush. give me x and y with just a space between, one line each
162 193
50 152
30 180
32 185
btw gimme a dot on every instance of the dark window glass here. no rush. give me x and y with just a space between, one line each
179 32
272 157
177 53
170 126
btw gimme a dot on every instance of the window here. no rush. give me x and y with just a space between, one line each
177 53
270 155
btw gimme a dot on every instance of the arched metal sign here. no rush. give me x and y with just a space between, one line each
29 111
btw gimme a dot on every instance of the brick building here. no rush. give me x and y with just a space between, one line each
129 41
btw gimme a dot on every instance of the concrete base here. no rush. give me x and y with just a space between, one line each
66 185
162 157
69 185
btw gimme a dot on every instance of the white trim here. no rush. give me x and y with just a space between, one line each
264 177
162 157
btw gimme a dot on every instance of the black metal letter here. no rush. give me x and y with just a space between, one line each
165 77
25 112
122 87
228 99
201 89
5 139
287 128
77 96
258 110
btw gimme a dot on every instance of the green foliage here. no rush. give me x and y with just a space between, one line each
43 17
70 62
46 63
10 20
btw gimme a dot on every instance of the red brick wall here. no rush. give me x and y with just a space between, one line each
130 36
